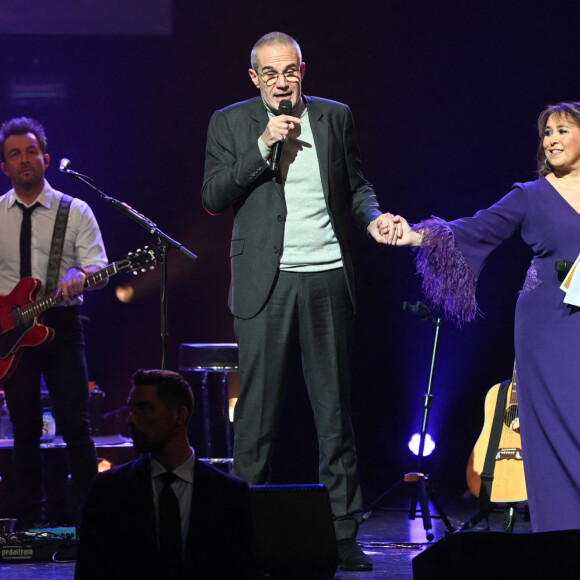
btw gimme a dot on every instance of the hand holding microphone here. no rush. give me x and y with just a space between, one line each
277 130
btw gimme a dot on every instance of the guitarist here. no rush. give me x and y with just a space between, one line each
61 360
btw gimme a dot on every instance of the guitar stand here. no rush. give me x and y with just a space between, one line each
509 517
423 492
508 522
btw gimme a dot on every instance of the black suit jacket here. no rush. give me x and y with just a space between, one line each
118 535
236 175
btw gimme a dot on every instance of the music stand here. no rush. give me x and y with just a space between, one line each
423 492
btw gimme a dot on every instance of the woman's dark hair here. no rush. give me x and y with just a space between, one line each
570 111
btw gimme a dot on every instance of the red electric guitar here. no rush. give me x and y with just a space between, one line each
19 311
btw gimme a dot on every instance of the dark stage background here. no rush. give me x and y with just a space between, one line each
445 97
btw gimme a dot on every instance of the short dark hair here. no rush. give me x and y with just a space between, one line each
172 388
569 110
22 126
270 39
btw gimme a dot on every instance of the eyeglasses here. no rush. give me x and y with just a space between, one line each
270 77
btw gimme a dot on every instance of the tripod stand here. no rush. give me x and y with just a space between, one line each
423 492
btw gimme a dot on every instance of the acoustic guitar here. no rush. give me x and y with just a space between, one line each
509 483
20 325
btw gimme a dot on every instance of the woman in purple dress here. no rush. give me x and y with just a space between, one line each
450 256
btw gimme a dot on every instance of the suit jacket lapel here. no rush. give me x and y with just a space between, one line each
259 115
143 467
199 505
320 133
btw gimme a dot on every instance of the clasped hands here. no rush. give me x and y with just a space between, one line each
393 230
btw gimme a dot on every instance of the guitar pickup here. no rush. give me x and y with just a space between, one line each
17 316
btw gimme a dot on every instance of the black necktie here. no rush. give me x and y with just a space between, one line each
25 235
169 520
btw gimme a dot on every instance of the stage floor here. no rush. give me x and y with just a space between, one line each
105 441
388 536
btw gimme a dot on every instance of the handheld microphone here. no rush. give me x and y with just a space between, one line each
285 108
64 165
563 267
419 308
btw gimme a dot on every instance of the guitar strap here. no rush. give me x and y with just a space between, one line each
490 456
57 245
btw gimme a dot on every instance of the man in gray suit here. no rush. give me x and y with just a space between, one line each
291 265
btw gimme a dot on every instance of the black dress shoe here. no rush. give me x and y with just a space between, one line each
351 557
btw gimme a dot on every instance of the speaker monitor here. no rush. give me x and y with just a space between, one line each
500 555
294 530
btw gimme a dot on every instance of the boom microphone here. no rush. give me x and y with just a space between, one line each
64 165
285 108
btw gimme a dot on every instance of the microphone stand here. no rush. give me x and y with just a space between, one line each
164 242
423 492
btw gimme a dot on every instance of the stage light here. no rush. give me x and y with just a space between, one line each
414 444
104 465
125 293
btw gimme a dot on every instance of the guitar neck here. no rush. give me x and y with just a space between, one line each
101 275
28 312
514 388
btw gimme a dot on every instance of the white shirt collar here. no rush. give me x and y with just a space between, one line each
184 471
44 198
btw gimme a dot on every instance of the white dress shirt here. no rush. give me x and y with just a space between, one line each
83 243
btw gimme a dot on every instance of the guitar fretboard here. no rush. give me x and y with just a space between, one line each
28 312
